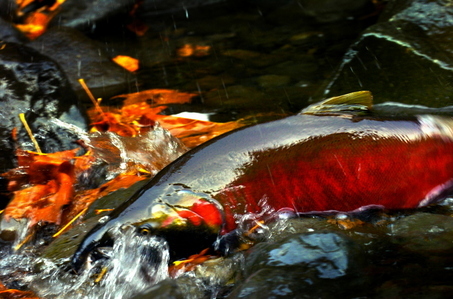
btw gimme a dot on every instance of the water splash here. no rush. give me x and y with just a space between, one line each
152 150
136 262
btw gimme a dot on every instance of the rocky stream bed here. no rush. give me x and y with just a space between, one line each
245 58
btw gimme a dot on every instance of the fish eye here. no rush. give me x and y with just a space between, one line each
144 231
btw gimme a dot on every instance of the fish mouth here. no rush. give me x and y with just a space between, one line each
92 245
179 241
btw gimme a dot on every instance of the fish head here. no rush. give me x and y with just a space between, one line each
189 222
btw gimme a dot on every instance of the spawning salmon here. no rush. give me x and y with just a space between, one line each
316 161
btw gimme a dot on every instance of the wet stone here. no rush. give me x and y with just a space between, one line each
334 10
299 264
424 233
166 289
215 82
86 15
303 68
152 8
267 81
322 11
30 83
253 58
88 61
405 58
8 9
9 33
235 96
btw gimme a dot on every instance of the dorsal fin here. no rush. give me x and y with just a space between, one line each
351 103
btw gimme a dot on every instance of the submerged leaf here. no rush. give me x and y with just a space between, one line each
141 111
35 15
127 62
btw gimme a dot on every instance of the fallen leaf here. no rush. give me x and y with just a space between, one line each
193 50
190 263
42 184
141 110
129 63
35 15
194 132
17 294
6 293
136 25
82 200
346 223
156 96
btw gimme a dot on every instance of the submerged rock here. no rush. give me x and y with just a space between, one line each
30 83
8 9
166 289
321 11
86 15
298 265
424 233
333 10
81 57
404 58
9 33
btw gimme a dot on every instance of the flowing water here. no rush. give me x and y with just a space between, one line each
259 61
135 263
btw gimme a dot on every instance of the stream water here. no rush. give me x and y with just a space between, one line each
258 61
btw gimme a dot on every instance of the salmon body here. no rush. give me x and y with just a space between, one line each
303 163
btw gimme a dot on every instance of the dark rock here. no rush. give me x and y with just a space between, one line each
321 11
34 85
298 265
237 97
86 15
164 7
424 233
405 58
81 57
333 10
166 289
9 33
269 81
8 9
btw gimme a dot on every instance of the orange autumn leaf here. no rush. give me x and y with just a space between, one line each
141 110
51 177
112 122
17 294
193 50
136 25
35 15
157 97
193 132
346 224
84 199
21 4
129 63
6 293
190 263
35 25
